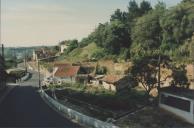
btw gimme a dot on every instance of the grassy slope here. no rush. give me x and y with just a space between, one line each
80 54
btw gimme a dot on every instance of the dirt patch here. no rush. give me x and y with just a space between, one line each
151 117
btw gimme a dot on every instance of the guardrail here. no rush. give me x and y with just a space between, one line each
74 115
26 77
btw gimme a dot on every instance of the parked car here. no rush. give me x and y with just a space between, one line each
49 80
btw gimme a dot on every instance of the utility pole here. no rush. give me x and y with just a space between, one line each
159 62
38 61
25 61
39 82
192 54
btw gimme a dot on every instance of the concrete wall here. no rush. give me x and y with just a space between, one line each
187 116
67 79
74 115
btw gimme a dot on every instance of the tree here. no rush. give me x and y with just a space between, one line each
179 77
119 15
185 1
72 45
146 34
133 10
177 26
112 36
145 7
146 71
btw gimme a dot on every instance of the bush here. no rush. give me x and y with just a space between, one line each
99 54
101 70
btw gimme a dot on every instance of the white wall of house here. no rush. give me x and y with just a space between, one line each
54 71
63 47
187 116
67 79
34 55
94 83
108 86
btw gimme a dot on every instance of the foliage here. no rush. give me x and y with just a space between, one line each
142 31
145 70
98 54
179 77
72 44
101 70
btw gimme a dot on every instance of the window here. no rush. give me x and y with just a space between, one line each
175 102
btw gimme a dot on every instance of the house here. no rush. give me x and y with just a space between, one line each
66 72
95 80
42 53
179 101
63 45
115 82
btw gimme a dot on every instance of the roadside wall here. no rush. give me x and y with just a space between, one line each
74 115
187 116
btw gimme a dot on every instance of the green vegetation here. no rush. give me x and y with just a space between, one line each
146 72
86 53
125 101
141 31
17 73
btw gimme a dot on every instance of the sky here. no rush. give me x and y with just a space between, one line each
46 22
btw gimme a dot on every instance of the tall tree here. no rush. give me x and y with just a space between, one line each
145 71
133 10
145 6
119 15
146 34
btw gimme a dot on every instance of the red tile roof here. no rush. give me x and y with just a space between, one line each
67 71
112 78
61 64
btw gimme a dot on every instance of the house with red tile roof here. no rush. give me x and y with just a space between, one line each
66 72
115 82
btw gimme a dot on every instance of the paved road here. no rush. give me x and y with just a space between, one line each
23 107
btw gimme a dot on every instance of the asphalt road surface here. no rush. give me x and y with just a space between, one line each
24 107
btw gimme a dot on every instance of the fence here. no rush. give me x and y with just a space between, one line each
80 118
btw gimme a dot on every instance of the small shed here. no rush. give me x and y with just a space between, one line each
179 101
116 82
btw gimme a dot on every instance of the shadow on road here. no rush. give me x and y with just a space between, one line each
24 107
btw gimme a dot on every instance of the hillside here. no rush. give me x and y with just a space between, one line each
150 30
82 54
